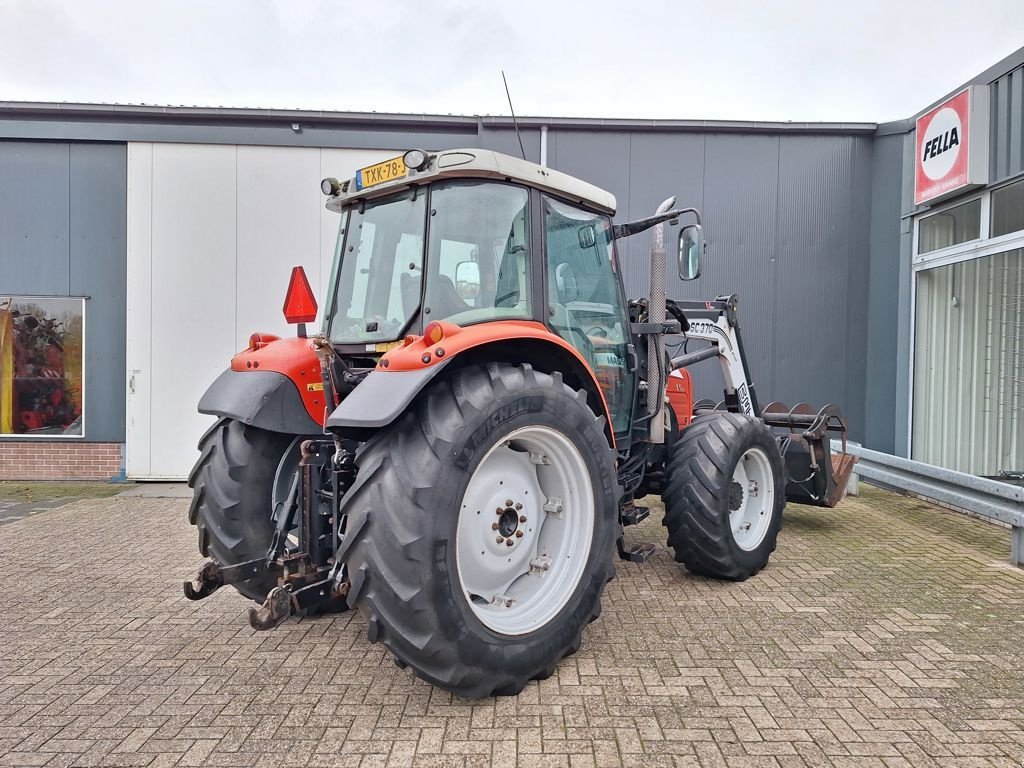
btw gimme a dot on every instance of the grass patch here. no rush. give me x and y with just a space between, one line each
46 490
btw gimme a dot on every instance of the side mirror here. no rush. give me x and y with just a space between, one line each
691 245
467 279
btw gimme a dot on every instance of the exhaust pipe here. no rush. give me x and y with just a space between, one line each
656 314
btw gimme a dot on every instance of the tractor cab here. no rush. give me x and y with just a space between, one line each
472 237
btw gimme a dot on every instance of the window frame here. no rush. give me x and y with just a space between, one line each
984 246
414 323
1015 181
622 436
536 311
16 436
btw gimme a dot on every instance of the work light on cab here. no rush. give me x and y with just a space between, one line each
299 303
416 159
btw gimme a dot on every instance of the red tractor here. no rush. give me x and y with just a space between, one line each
456 453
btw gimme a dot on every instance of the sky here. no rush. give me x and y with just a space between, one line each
800 60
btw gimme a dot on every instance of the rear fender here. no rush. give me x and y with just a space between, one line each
275 386
405 371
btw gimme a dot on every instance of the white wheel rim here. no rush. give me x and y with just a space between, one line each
751 499
525 527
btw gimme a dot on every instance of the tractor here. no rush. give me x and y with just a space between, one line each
456 452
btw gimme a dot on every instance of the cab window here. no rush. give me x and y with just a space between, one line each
585 299
479 253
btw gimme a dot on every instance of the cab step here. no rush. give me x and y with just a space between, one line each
631 514
638 553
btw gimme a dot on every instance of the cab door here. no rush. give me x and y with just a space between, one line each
586 306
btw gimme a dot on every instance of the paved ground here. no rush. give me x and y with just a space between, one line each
885 633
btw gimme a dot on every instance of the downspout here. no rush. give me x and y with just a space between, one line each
544 146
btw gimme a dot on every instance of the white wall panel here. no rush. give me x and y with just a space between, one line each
279 202
193 299
214 231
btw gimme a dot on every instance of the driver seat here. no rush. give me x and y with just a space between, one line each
563 291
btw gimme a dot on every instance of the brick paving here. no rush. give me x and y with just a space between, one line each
884 633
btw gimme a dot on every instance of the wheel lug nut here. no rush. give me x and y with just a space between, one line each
509 542
519 506
519 534
501 539
522 518
508 502
494 526
499 511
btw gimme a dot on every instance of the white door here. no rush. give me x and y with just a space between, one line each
213 233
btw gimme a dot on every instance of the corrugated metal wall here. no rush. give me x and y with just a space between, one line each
787 219
62 233
969 367
883 293
1007 127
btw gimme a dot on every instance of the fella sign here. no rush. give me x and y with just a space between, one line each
952 146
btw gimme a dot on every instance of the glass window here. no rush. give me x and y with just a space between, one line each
969 366
1008 209
479 253
586 300
41 383
951 227
378 288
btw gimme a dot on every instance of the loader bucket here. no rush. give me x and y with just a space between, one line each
814 475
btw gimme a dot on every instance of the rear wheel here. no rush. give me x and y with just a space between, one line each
480 529
243 475
724 496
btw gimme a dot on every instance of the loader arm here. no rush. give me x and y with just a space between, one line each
717 323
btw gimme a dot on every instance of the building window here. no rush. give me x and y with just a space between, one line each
1008 209
41 381
969 368
950 227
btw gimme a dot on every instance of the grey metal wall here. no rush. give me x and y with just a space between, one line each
1007 125
62 233
787 215
884 292
787 219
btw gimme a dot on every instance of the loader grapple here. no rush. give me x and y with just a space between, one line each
814 475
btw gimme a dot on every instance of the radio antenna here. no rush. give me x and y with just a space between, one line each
514 121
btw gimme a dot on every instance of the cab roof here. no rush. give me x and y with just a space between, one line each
479 164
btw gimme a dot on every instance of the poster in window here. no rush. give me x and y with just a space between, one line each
41 381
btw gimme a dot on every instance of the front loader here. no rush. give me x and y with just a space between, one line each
457 451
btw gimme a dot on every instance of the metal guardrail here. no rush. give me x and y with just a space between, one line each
979 495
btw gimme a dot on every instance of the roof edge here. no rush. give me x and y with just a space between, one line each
148 112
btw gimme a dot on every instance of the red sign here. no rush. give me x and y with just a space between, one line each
942 141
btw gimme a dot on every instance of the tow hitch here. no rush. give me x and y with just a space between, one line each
307 572
212 577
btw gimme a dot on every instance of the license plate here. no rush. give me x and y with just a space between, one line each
389 170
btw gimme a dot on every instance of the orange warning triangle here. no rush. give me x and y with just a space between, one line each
299 303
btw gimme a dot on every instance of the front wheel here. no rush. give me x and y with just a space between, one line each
481 528
724 495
